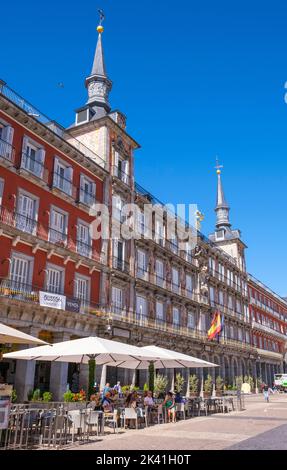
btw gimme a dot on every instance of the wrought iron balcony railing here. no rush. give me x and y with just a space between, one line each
64 184
33 166
84 248
51 124
121 175
21 222
7 151
120 264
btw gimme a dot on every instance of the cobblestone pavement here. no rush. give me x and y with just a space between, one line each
260 426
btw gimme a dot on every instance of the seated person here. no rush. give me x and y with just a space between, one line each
107 403
169 404
131 401
148 400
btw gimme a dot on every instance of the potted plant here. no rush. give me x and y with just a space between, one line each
160 385
126 389
208 385
47 397
36 395
179 383
193 385
219 386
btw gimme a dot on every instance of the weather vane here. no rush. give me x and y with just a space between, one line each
102 16
218 167
100 27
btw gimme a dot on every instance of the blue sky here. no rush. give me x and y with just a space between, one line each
195 79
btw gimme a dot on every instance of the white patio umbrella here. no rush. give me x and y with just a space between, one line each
82 350
11 335
172 359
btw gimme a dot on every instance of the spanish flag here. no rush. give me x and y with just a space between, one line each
215 327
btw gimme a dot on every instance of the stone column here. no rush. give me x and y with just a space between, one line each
25 372
59 372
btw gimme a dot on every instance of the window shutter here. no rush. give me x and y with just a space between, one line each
116 158
40 156
25 144
9 133
56 172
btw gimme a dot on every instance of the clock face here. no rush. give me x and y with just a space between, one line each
97 89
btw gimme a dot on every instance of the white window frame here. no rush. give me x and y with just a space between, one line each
21 223
87 245
175 314
190 324
63 182
90 197
36 165
141 307
29 260
61 270
81 277
175 285
117 299
6 140
65 232
159 312
2 184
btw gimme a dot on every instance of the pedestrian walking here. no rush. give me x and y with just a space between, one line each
266 393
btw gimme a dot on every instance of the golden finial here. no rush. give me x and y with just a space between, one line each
218 170
100 27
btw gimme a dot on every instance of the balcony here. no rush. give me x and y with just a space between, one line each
25 223
86 197
7 151
58 237
31 165
121 175
142 273
64 185
120 265
28 293
160 281
267 329
34 232
84 248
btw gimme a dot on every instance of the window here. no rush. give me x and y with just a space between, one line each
142 264
119 254
212 265
175 316
87 190
21 270
159 311
6 139
63 176
159 233
211 295
117 299
140 222
58 226
141 306
247 337
202 322
82 289
188 282
191 320
174 245
117 207
230 302
221 298
121 169
33 157
238 306
175 280
27 208
240 336
55 279
83 239
159 272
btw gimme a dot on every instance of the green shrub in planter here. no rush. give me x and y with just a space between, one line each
47 396
219 384
36 395
145 388
68 396
126 389
208 385
160 384
193 385
14 396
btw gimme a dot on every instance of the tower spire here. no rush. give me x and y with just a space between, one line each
98 84
222 208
